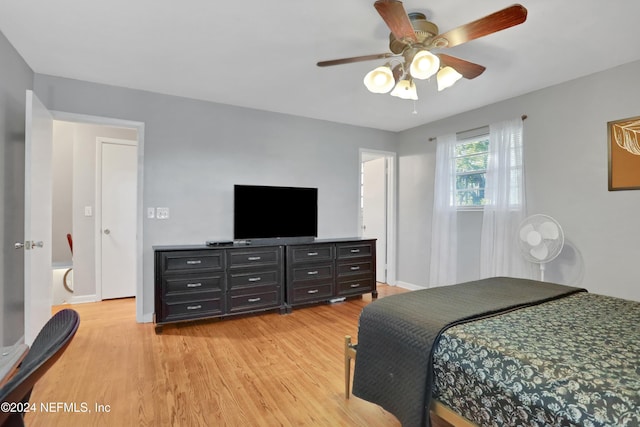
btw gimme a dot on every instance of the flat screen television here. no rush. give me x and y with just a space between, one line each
264 212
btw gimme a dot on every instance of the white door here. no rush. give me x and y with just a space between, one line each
38 214
374 208
118 216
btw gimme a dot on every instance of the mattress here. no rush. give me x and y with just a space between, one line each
570 361
396 335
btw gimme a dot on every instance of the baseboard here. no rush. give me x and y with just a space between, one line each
409 286
83 299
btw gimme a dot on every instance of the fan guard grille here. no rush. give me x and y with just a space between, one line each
540 238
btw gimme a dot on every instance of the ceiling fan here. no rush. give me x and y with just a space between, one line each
411 42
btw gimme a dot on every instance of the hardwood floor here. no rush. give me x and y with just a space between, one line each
265 370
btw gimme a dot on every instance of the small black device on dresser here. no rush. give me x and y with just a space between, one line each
219 242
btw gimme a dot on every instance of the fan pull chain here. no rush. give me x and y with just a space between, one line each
414 108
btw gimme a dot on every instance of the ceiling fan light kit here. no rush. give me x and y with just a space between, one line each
446 77
424 65
411 42
405 89
380 80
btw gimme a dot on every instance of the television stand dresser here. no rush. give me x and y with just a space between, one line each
195 282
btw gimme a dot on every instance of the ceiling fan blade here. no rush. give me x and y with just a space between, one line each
354 59
469 70
497 21
396 18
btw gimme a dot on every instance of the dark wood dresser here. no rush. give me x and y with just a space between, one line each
330 269
198 282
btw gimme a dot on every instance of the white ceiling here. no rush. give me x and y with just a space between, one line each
262 54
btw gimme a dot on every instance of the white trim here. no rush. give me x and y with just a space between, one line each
139 127
98 201
410 286
367 154
83 299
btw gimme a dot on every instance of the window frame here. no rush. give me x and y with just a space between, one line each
467 137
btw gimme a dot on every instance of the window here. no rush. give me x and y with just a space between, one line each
471 155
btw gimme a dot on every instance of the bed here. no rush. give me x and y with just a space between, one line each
502 352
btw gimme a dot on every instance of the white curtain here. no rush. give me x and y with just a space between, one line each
444 236
505 206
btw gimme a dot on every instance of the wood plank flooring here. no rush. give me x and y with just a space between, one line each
265 370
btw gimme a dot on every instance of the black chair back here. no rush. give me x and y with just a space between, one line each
46 349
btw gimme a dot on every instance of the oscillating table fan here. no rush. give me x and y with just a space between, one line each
541 240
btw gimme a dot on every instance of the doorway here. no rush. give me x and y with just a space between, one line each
377 209
87 205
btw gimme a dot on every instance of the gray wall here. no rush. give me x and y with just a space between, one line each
195 151
15 78
566 170
62 188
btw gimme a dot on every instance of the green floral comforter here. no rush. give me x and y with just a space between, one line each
573 361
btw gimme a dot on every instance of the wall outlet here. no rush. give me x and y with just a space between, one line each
151 213
162 213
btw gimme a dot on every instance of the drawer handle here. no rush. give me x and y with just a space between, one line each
255 279
194 285
312 291
194 261
194 307
312 253
254 299
355 251
355 268
312 273
355 285
254 258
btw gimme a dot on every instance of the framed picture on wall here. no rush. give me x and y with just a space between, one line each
624 154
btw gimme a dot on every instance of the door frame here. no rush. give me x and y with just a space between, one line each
391 191
98 216
139 127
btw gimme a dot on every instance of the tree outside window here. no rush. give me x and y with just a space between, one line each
471 166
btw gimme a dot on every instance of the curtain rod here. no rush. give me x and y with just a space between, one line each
433 138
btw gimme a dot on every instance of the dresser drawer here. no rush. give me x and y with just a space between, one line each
355 267
302 254
316 291
182 310
355 286
312 272
241 258
183 261
354 250
245 278
192 283
254 298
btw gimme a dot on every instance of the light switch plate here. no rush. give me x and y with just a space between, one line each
162 213
151 213
88 211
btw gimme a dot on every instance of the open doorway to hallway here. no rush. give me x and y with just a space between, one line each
377 209
82 189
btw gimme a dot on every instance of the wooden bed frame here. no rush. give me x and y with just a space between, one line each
441 415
